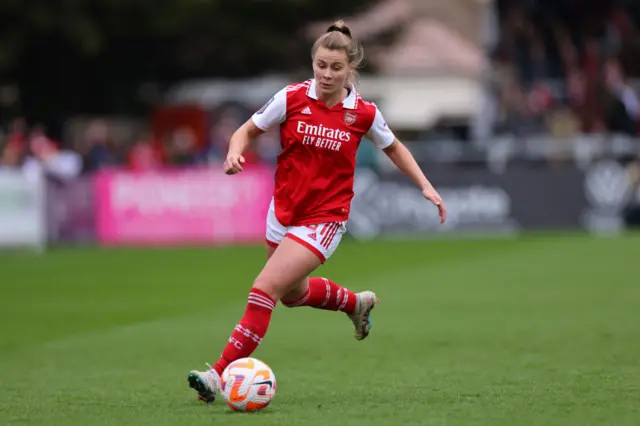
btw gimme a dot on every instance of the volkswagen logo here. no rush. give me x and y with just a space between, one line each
607 186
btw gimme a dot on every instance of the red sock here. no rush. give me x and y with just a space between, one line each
327 295
249 332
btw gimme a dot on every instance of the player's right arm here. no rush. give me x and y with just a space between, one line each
238 144
272 113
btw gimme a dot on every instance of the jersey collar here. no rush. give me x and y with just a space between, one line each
350 102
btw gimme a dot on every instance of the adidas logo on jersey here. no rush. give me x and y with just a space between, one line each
306 111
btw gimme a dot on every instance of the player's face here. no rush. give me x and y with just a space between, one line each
331 69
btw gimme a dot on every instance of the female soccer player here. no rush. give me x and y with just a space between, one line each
322 122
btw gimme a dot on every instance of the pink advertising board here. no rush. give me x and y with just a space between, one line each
182 206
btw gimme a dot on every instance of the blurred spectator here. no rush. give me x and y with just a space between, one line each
46 157
566 57
220 135
17 135
227 119
144 154
624 107
15 145
12 156
181 146
96 147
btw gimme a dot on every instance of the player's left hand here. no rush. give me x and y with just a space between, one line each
433 196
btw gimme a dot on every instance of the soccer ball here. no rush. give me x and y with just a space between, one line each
248 385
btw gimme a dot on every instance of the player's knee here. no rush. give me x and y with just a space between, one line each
274 289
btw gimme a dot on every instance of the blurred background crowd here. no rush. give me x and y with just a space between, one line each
139 86
567 67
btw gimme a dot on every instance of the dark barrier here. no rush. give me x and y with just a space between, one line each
525 196
71 211
522 197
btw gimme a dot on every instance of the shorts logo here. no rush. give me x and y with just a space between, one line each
350 118
312 234
324 236
265 106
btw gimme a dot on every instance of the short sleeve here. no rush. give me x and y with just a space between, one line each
380 134
273 112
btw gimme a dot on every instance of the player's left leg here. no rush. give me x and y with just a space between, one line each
285 269
325 294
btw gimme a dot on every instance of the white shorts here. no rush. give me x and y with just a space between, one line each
321 239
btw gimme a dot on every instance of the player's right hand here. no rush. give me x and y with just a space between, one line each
233 164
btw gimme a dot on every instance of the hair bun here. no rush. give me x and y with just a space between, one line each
340 27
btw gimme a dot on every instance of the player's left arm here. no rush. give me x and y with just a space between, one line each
400 155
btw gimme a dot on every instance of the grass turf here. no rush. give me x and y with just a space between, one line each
540 330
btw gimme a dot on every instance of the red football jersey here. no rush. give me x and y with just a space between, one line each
315 170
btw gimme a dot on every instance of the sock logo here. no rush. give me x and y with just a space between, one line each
236 343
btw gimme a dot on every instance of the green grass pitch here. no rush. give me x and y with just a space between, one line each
540 330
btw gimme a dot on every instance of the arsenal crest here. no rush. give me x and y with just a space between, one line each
350 118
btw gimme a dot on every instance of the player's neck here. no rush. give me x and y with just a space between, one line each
333 99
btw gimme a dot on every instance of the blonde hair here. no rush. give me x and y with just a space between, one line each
338 37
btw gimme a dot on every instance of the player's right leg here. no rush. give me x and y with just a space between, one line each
325 294
289 264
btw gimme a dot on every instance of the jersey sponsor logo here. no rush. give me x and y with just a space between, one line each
265 106
350 118
323 132
321 136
